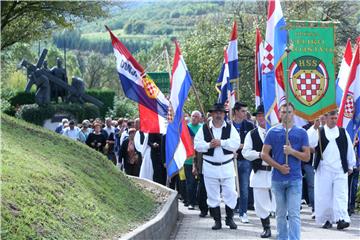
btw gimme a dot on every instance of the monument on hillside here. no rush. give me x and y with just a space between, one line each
52 84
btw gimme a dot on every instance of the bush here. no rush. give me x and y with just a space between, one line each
36 114
106 96
123 107
21 98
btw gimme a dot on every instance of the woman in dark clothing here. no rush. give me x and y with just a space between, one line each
96 140
131 157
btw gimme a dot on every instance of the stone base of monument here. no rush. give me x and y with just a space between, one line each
161 226
53 123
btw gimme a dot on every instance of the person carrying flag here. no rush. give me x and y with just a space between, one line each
286 182
218 140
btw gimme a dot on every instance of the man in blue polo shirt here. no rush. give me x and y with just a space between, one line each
287 177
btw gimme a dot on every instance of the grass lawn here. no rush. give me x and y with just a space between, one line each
56 188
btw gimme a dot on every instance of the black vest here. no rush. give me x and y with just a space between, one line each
246 127
257 146
225 134
341 143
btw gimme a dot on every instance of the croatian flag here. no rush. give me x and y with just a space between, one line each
272 69
178 143
349 113
258 73
225 96
232 53
343 73
153 106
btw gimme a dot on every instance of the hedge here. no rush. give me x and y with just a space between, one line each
106 96
22 98
36 114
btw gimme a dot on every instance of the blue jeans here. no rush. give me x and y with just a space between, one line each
288 201
353 184
191 185
244 170
309 177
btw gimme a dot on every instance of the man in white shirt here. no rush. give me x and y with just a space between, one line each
109 128
334 160
218 140
260 177
72 131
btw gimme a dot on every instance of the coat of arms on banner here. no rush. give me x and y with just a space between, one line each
150 88
309 79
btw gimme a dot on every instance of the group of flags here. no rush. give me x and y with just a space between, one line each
155 109
348 90
269 76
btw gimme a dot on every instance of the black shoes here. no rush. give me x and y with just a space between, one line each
229 221
327 225
342 224
202 214
266 225
216 214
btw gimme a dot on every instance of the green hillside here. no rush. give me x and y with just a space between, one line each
55 188
139 25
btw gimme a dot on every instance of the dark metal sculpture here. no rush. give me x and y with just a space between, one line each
45 79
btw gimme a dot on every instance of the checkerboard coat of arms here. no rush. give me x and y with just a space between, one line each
309 79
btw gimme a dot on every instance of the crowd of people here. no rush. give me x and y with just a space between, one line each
239 160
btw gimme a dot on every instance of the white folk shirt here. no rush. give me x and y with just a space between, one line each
331 155
260 179
231 144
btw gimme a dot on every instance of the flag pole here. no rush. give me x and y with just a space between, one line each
288 50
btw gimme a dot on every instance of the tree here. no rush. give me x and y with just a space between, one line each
25 21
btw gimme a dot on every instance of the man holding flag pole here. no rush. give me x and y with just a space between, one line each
287 176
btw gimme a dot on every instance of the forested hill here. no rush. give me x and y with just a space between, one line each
138 24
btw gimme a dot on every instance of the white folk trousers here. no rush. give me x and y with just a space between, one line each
229 194
263 203
331 196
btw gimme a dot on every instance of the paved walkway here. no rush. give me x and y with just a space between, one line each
191 226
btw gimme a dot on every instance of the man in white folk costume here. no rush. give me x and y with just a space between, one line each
260 178
218 140
334 160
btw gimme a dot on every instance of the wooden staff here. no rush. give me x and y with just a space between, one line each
288 50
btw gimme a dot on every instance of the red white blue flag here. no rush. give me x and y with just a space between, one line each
153 106
343 73
223 82
178 142
272 69
258 71
349 113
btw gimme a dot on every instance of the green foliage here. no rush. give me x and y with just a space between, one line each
106 96
57 188
24 21
123 107
36 114
175 14
21 98
136 27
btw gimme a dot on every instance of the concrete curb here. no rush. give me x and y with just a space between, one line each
161 226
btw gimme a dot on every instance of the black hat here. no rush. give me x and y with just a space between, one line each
259 109
217 107
71 122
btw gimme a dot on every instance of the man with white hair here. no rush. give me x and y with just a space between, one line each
60 128
191 183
